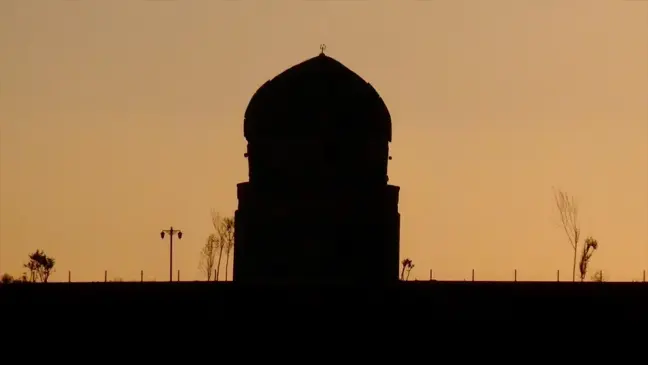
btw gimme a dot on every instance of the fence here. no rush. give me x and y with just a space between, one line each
473 277
141 278
557 277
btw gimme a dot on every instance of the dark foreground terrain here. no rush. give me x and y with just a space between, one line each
189 301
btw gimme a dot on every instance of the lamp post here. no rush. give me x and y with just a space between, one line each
171 232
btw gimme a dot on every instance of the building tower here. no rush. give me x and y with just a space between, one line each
317 207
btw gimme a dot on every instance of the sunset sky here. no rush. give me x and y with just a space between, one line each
121 118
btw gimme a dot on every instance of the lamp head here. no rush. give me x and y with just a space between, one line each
162 234
179 234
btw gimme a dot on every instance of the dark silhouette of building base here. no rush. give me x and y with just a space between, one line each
317 207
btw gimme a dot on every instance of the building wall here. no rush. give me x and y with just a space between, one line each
340 235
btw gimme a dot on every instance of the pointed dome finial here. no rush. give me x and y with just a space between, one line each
322 48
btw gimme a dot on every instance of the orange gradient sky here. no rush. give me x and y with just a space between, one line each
121 118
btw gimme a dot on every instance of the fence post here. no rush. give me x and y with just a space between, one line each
69 276
178 275
515 275
105 276
558 275
141 276
430 274
473 274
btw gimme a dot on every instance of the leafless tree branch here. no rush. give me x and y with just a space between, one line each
224 227
208 256
568 211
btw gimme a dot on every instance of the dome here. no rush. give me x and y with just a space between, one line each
318 97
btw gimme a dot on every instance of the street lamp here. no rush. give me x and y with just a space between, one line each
171 232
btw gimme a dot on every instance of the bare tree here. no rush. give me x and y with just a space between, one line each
216 222
407 267
40 266
568 209
227 239
588 250
407 272
208 256
224 227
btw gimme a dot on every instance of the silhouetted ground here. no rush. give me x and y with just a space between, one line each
437 300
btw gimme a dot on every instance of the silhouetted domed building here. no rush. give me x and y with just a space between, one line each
317 206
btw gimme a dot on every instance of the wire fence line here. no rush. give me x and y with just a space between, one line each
514 277
432 277
176 278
